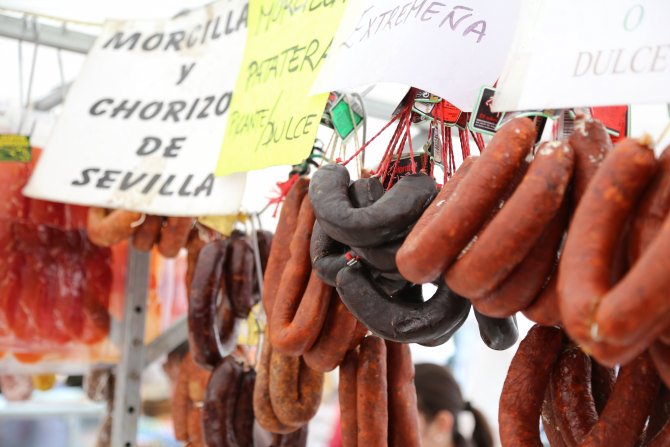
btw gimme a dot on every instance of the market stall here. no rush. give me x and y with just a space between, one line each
262 223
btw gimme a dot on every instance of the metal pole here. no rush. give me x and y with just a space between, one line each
127 401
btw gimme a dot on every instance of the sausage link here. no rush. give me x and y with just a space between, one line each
507 240
297 321
574 407
591 144
625 414
524 388
181 404
372 393
205 289
549 422
403 413
263 410
108 229
525 283
174 235
296 439
239 276
497 333
335 338
347 398
220 402
658 419
195 428
279 251
295 389
544 309
243 423
584 271
652 211
465 211
195 244
148 233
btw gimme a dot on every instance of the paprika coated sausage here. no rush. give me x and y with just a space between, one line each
295 389
403 411
372 393
467 208
279 251
347 398
174 235
524 388
148 233
584 271
591 144
507 240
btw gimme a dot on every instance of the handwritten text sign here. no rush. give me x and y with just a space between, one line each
450 49
574 53
143 123
273 118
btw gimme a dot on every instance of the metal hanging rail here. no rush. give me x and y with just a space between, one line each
47 35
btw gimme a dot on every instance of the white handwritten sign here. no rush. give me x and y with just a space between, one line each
585 53
143 123
450 49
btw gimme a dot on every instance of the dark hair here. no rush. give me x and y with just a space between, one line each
436 391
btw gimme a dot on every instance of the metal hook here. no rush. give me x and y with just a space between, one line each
32 75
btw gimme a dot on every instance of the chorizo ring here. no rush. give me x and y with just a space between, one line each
497 333
297 320
652 211
347 399
295 389
544 309
279 251
572 397
239 276
263 409
524 387
202 309
660 354
463 213
386 219
397 319
549 422
507 240
524 284
372 393
403 412
337 335
174 235
105 229
148 233
625 414
219 405
591 144
584 271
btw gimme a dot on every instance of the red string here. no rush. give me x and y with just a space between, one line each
371 140
479 141
283 190
465 143
411 149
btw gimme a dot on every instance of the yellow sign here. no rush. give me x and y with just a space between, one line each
272 118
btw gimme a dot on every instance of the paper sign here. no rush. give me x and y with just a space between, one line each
575 53
143 123
446 48
273 118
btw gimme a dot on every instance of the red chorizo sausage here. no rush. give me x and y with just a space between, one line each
464 212
524 284
174 235
180 401
263 410
549 422
347 398
108 229
372 393
147 234
507 240
524 387
574 407
279 251
544 309
335 338
295 389
625 414
584 271
591 144
403 412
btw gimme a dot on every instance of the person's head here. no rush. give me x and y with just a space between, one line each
440 402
